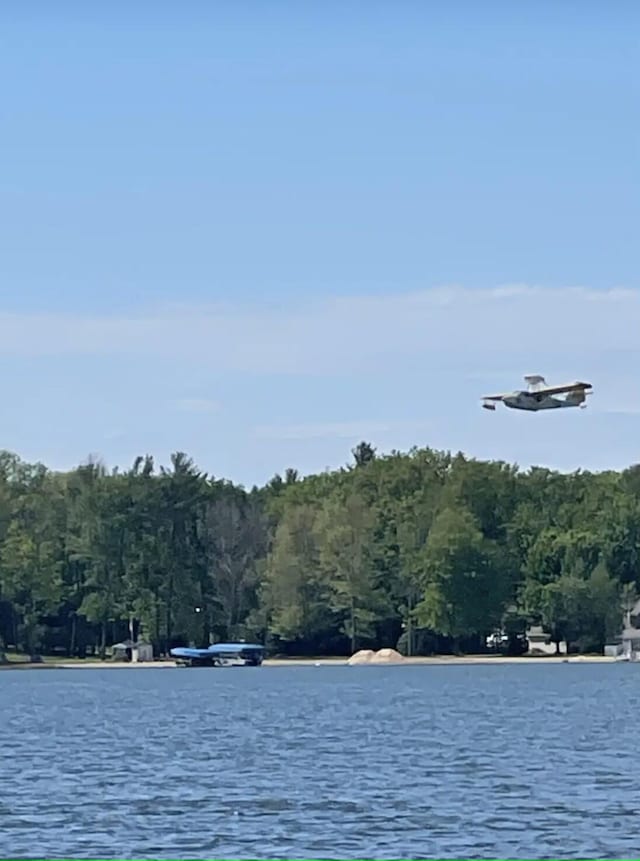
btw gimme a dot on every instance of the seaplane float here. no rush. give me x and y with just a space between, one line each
539 396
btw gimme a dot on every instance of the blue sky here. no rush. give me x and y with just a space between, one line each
259 232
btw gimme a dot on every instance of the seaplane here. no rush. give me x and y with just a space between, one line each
539 396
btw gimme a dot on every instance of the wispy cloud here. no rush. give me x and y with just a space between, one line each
357 430
619 411
339 335
197 405
115 434
398 370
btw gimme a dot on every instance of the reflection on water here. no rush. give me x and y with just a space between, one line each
512 761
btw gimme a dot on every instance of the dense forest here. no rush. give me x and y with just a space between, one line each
424 551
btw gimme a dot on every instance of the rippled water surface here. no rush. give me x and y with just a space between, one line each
369 762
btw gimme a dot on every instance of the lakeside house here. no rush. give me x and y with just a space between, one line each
626 646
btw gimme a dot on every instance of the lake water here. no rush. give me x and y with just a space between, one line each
503 761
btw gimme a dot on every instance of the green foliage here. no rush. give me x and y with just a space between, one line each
426 549
344 534
465 586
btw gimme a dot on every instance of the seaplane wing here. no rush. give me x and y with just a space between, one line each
560 390
488 401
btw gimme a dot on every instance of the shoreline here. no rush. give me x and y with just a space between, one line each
435 660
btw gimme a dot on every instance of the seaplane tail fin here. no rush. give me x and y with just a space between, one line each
576 397
535 382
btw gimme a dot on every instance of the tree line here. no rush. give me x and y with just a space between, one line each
426 551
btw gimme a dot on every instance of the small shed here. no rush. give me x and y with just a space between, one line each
122 651
540 642
129 650
141 653
630 644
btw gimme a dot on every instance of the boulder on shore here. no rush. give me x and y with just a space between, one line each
387 656
382 656
364 656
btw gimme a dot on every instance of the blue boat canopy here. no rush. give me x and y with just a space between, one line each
233 647
216 649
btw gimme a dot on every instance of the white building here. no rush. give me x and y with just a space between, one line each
540 642
626 646
137 653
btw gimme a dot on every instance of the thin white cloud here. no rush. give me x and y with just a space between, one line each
348 334
197 405
619 411
414 365
115 434
356 430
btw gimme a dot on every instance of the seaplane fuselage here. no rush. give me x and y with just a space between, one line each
529 401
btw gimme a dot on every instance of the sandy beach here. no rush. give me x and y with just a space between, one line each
442 660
